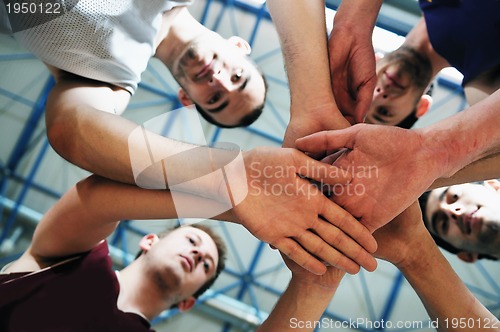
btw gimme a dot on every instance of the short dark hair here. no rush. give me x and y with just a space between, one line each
246 120
439 241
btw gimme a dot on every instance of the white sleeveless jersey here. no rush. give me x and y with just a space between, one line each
104 40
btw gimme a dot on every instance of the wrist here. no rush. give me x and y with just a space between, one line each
358 16
322 115
446 149
313 289
419 257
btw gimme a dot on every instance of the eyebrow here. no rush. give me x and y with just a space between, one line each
222 106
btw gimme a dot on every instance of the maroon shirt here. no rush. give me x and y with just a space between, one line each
79 295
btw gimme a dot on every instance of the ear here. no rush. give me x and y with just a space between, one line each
186 304
423 105
184 98
493 184
147 241
241 43
468 257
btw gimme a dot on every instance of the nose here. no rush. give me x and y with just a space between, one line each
385 92
197 256
380 93
455 212
221 78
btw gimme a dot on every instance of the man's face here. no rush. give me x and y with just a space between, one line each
396 93
183 260
466 216
217 75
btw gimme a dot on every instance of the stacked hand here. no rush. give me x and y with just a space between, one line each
391 167
288 212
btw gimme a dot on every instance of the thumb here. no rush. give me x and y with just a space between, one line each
327 140
365 97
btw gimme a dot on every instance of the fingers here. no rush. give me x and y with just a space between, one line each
365 97
345 246
342 219
327 140
320 171
322 249
300 256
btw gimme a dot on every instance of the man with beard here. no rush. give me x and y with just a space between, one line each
403 78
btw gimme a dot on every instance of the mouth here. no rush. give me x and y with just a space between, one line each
188 263
205 70
471 222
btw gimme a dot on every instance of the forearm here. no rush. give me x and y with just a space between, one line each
357 16
305 52
300 303
82 129
443 294
90 211
468 136
483 169
129 202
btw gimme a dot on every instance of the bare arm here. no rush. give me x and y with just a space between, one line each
483 169
304 301
90 211
305 52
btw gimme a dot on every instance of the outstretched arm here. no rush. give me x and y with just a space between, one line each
304 301
304 48
90 211
406 243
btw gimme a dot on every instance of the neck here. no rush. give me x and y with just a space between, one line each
418 39
178 30
139 294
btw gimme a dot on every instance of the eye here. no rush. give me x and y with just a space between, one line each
193 242
206 266
215 98
451 197
237 76
443 222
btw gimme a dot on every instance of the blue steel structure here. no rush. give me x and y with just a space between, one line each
32 142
